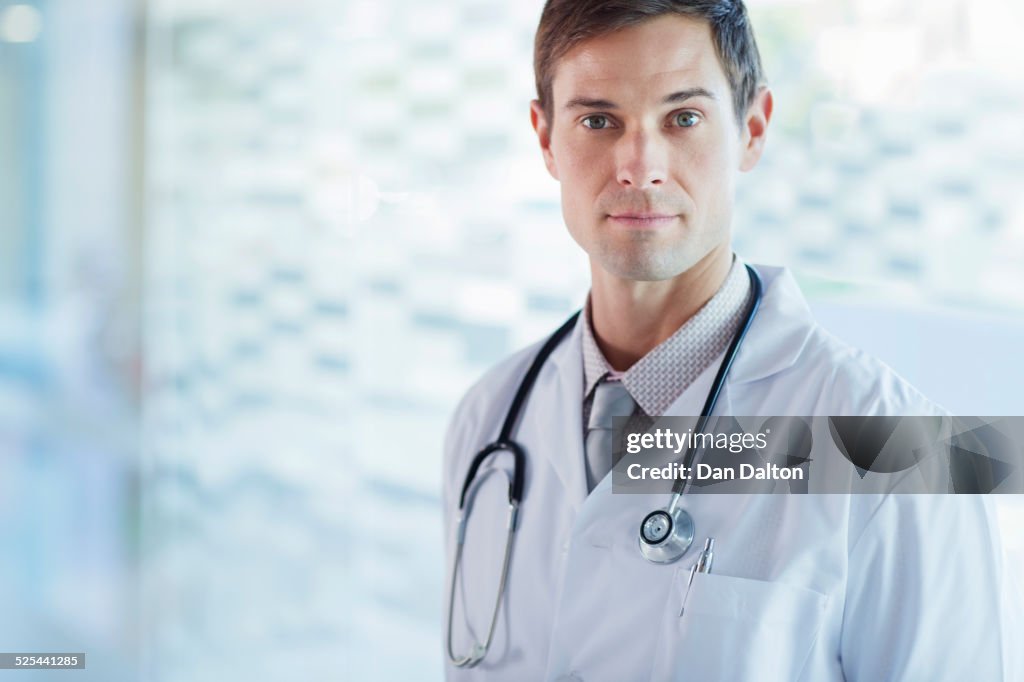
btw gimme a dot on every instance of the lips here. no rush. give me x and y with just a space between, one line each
642 220
641 216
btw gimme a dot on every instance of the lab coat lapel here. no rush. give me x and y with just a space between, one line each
557 432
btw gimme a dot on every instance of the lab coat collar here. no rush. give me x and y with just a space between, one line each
779 332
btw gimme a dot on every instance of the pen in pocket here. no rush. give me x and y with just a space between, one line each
702 565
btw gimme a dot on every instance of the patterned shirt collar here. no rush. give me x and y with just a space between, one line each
657 379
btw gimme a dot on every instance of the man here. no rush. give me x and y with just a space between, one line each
647 112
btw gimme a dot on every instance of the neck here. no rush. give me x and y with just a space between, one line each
630 318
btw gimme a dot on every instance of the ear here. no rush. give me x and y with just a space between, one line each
540 126
755 128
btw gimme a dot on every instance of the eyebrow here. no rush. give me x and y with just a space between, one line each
674 98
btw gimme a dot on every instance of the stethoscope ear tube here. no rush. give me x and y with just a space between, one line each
666 534
515 496
515 488
531 376
505 441
723 371
479 650
733 350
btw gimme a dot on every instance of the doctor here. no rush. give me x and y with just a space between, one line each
646 114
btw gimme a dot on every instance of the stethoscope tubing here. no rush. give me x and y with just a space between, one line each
723 371
515 488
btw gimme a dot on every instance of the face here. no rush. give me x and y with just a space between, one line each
647 148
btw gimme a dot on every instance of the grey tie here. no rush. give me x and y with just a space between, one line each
611 399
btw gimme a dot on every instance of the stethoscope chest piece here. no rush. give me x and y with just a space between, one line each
666 534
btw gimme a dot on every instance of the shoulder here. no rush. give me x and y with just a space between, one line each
854 382
809 371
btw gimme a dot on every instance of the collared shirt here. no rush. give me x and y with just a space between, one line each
657 379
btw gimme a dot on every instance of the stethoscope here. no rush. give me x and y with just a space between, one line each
665 534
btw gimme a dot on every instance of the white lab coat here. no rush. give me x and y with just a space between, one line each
804 587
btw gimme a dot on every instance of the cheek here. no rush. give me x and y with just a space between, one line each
578 164
705 169
576 210
581 173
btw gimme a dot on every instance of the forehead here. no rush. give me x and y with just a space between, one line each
667 52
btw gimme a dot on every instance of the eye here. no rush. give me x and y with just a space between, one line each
687 119
596 121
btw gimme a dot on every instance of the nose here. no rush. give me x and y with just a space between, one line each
641 160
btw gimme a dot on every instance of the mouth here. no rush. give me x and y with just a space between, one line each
642 220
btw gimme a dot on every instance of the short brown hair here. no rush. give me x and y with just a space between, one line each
566 23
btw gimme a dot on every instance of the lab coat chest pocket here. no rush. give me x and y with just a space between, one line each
736 629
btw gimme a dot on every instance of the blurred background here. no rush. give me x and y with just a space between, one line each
252 252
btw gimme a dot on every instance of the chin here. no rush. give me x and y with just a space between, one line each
651 269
